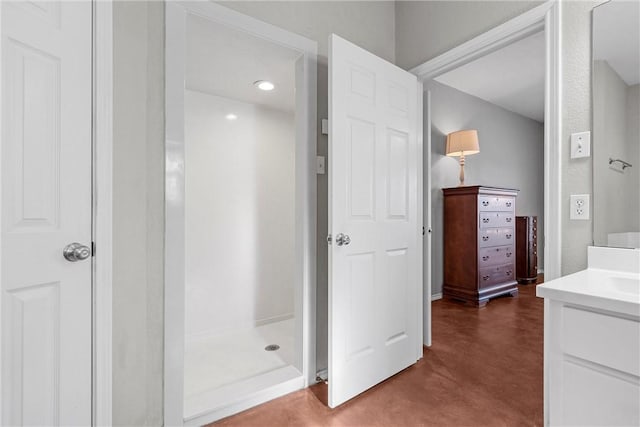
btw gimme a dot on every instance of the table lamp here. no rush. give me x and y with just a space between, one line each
462 143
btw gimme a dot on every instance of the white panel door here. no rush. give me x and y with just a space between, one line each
46 204
375 220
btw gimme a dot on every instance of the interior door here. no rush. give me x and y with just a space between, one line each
46 205
375 220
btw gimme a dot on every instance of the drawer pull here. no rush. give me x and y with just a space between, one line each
486 257
485 220
485 238
485 203
508 204
508 236
509 254
509 219
485 278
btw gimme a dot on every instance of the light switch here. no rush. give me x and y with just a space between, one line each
325 126
580 144
320 165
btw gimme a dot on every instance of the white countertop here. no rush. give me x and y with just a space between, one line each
610 290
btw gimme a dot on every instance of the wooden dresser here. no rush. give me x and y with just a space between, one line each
479 243
526 249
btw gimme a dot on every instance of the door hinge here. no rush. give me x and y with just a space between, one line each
329 239
93 249
423 230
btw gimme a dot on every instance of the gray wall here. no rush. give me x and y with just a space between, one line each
511 156
138 212
615 135
577 174
633 138
370 25
425 29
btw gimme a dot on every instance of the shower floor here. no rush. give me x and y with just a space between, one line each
215 366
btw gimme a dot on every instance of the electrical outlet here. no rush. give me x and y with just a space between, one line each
580 206
580 144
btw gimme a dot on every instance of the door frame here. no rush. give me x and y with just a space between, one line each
102 211
305 196
545 17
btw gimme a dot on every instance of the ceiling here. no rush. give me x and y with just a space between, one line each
616 38
511 77
226 62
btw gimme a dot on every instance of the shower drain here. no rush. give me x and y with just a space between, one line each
272 347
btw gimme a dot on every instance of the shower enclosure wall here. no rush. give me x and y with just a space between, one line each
240 195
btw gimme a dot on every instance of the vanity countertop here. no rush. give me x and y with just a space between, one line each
610 290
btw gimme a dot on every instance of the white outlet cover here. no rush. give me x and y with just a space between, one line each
580 145
579 207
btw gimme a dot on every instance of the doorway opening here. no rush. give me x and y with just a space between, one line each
240 213
544 19
501 95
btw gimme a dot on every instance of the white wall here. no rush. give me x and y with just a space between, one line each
138 212
511 156
615 135
239 214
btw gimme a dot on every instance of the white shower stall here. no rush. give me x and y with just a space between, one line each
240 200
239 241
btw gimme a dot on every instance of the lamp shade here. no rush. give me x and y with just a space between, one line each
462 142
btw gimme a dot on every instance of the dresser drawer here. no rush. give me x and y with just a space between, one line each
496 256
496 237
496 219
492 203
494 275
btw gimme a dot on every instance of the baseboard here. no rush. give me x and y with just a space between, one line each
436 297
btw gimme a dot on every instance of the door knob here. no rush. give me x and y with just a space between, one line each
76 252
342 239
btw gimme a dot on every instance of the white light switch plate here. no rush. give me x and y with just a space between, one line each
580 206
580 144
325 126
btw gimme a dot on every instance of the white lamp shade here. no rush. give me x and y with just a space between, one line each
462 142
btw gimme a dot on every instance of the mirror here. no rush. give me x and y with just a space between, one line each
616 124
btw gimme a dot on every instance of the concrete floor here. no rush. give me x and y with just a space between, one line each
484 368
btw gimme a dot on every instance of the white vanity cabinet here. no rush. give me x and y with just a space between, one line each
592 348
592 366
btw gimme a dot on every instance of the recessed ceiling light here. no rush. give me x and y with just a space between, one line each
230 116
264 85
